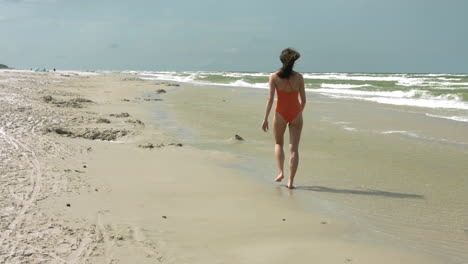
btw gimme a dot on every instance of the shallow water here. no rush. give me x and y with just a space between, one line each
393 171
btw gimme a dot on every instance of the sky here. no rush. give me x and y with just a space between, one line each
398 36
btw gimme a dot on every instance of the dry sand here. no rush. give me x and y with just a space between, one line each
83 182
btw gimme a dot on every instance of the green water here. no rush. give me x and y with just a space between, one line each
448 90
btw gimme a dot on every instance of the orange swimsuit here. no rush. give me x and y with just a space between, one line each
288 105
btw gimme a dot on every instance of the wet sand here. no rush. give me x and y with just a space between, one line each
396 174
76 188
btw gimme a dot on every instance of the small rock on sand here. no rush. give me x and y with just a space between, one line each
126 100
172 84
47 98
159 91
323 223
165 217
68 205
237 137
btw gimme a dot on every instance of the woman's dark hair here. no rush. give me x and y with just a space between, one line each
288 57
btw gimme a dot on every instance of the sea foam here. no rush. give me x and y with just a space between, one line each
379 88
455 118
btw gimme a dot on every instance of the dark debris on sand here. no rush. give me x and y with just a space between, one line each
167 84
131 79
89 133
120 115
151 145
103 120
74 103
135 122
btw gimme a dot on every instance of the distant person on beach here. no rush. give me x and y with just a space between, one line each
289 85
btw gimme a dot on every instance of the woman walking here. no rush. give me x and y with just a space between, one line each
289 86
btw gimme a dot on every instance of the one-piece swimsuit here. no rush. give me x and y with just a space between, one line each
288 105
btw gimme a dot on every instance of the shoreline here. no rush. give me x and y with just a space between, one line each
114 201
363 172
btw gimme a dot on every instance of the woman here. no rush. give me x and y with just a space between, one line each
289 85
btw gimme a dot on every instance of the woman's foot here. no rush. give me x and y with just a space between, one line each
279 178
290 185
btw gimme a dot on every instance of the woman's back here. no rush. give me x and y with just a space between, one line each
288 105
288 85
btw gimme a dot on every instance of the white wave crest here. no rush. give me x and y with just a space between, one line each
429 103
448 83
164 76
455 118
343 85
80 73
408 133
410 81
419 137
397 94
342 76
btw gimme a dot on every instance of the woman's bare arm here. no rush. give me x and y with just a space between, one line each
302 93
269 104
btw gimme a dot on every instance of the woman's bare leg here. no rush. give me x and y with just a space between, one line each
279 126
295 129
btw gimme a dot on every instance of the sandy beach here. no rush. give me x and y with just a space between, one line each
108 168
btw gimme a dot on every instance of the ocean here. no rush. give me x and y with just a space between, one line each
446 95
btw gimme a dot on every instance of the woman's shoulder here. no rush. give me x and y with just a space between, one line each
274 76
294 75
297 75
